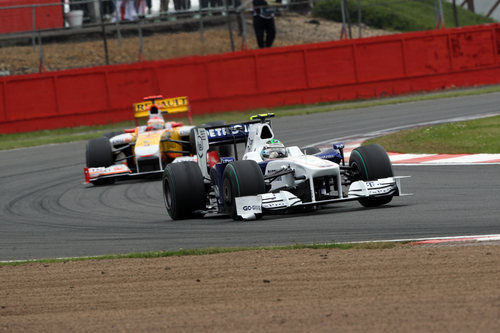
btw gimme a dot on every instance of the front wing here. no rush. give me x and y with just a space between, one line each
118 171
250 206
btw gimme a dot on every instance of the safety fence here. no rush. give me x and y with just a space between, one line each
123 31
301 74
129 30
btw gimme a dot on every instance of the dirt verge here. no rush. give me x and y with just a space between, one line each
410 289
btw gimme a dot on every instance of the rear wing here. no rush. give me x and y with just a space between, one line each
209 136
166 105
235 132
229 133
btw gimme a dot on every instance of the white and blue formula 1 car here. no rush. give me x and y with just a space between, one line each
270 177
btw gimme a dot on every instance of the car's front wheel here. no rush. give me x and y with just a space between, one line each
99 154
371 162
241 178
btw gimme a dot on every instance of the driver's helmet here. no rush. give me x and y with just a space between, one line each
273 149
156 123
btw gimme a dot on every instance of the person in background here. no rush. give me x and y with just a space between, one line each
140 7
182 4
125 10
239 19
143 7
149 5
263 23
108 8
164 6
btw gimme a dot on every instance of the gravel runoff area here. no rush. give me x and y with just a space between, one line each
408 288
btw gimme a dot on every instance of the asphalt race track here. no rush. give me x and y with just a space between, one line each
46 210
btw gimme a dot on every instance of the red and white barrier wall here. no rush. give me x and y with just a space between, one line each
330 71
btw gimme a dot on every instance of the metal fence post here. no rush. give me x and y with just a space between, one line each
244 45
141 42
348 18
229 25
492 8
455 14
103 30
359 18
41 67
441 13
343 28
33 25
202 35
438 11
117 21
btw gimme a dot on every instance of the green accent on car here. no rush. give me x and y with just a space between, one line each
233 171
362 161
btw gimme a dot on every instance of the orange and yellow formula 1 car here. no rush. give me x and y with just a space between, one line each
144 150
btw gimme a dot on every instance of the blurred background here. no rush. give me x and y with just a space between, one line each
46 35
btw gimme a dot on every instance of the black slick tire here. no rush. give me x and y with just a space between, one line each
183 189
241 178
371 162
99 154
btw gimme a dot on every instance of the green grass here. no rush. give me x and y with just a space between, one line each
398 15
18 140
37 138
217 250
466 137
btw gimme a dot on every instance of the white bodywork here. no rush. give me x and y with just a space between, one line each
305 168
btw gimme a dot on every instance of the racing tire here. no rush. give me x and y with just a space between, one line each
224 150
371 162
99 153
241 178
183 189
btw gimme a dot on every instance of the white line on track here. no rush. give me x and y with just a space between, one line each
354 141
365 136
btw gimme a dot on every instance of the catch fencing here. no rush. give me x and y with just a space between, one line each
41 22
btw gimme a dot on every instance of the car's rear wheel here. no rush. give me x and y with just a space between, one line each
371 162
183 189
241 178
